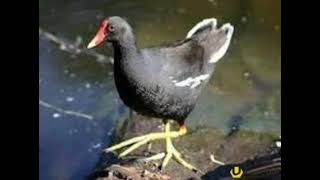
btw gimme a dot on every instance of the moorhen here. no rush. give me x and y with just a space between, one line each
164 81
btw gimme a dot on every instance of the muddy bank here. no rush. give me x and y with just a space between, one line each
255 153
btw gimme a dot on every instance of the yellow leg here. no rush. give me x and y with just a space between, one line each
170 150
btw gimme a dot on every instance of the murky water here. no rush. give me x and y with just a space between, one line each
245 86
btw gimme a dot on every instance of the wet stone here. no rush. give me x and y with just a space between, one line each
196 147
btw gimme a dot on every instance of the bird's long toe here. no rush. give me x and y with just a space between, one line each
136 142
172 152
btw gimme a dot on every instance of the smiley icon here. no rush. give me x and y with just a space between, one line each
236 172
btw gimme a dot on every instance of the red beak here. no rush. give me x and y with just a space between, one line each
100 36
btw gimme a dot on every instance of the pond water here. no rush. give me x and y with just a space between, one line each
245 89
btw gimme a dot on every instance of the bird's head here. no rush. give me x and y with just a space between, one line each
112 29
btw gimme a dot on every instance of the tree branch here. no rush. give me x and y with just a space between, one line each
68 112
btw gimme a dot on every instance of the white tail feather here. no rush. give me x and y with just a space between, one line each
204 22
216 56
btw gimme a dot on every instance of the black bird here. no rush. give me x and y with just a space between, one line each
163 81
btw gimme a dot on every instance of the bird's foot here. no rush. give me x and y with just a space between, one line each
171 152
170 149
141 140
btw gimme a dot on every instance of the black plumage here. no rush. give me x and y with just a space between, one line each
163 81
154 81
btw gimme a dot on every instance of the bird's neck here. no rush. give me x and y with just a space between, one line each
126 57
126 48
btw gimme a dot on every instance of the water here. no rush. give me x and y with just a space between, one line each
246 82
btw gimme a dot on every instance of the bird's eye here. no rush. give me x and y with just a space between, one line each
111 28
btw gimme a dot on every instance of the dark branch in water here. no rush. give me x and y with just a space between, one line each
68 112
74 47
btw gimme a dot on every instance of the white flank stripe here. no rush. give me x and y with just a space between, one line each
192 82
